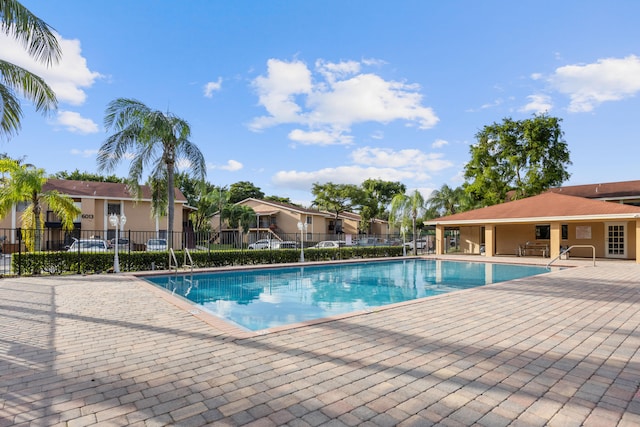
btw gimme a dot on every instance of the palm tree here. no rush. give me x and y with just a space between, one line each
405 210
447 200
41 44
24 184
241 217
156 138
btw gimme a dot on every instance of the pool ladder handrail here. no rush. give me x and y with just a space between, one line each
593 248
172 256
187 254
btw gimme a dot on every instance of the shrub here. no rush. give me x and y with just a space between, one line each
83 263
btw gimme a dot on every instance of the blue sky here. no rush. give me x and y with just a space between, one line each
288 93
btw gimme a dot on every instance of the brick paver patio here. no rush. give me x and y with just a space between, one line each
560 349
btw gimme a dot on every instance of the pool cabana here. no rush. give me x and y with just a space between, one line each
549 220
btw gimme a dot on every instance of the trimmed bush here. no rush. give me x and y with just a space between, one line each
84 263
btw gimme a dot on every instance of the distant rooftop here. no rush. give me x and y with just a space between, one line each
607 190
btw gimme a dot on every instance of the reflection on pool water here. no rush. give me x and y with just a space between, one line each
264 298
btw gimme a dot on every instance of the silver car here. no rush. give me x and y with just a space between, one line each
157 245
89 245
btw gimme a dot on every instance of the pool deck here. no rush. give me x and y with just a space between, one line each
559 349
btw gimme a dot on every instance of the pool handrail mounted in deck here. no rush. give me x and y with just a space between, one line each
593 248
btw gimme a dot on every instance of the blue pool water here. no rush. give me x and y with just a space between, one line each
265 298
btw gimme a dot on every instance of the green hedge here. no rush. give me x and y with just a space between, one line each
84 263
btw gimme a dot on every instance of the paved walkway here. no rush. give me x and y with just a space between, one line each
560 349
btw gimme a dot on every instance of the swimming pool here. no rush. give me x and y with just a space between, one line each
264 298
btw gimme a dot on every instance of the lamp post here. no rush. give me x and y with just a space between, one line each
404 230
302 226
118 223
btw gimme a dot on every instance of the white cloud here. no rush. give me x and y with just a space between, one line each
211 87
538 104
439 143
69 78
339 97
75 123
231 165
319 137
84 153
375 163
277 92
301 180
610 79
407 159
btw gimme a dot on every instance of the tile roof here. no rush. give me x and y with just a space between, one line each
601 191
101 190
543 206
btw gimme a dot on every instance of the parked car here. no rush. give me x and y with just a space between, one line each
157 245
123 244
277 244
421 243
88 245
261 244
331 244
371 241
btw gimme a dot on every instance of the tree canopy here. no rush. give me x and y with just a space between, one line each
244 190
525 157
336 198
24 183
40 42
447 200
76 175
376 197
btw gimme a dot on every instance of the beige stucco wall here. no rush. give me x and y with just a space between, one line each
470 239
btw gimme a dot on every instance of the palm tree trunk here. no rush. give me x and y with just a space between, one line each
171 207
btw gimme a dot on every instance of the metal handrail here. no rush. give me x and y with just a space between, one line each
575 246
187 254
172 255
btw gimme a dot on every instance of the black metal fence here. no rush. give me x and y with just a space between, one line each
19 240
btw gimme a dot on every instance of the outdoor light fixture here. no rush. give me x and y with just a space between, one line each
302 226
118 223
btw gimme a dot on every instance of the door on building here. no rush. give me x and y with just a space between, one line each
616 240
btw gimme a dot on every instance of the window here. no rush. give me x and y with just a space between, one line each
113 208
543 232
309 219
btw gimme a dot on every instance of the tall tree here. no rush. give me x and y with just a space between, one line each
40 42
526 157
156 138
76 175
201 195
242 190
446 200
405 211
24 183
376 197
336 198
240 217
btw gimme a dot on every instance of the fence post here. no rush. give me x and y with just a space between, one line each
19 231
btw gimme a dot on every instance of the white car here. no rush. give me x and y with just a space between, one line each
276 244
420 243
157 245
331 244
89 245
261 244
